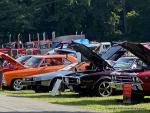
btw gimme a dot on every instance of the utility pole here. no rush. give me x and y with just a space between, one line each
10 37
44 36
29 37
38 36
19 40
53 35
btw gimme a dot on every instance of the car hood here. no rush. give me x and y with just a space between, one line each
50 75
114 53
138 50
16 64
62 72
100 61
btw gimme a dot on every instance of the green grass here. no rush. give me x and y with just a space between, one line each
112 104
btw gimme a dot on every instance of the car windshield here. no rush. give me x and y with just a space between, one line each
123 63
22 59
33 62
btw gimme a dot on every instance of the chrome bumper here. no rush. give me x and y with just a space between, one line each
34 83
119 86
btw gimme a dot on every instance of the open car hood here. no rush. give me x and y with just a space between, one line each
114 53
17 65
138 50
96 59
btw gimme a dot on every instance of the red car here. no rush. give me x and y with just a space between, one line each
140 77
97 79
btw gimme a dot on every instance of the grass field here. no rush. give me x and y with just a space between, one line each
112 104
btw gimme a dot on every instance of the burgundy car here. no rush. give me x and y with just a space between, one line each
97 80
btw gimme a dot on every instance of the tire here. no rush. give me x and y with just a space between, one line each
38 89
103 88
52 84
17 85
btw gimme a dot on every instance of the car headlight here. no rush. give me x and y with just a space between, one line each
78 81
67 80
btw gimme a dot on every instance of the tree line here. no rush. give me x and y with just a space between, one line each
102 20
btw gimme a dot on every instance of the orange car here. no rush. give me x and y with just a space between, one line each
35 65
12 64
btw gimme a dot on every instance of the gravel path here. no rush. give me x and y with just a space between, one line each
25 105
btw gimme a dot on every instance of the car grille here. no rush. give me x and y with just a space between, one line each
126 78
122 79
71 81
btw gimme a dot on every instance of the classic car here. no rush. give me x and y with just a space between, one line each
126 63
36 65
10 63
65 51
140 79
8 66
45 82
97 81
22 59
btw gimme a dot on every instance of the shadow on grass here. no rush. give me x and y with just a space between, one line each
134 111
78 101
105 102
92 102
83 101
46 95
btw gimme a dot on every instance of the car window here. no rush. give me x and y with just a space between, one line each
43 63
54 61
23 59
124 63
66 61
57 61
33 62
105 47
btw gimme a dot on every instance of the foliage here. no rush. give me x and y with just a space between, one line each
104 20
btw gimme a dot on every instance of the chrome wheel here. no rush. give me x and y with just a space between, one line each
104 89
17 84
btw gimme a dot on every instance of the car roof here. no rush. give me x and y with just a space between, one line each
130 57
50 56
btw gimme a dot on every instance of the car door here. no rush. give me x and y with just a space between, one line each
52 64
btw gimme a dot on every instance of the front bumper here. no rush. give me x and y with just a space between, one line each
37 83
119 86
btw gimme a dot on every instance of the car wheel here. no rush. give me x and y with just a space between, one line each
104 89
39 89
17 84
